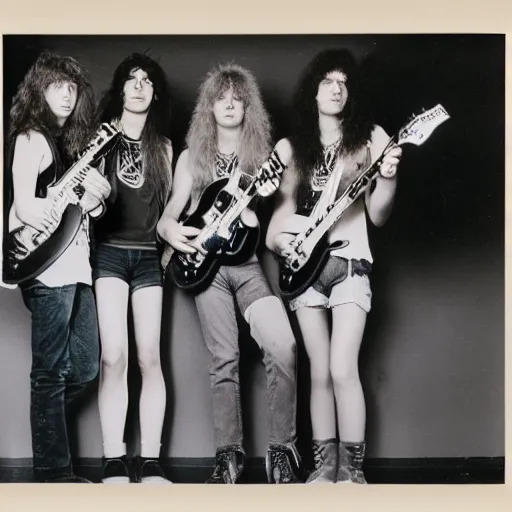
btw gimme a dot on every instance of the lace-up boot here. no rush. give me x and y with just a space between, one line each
325 457
350 463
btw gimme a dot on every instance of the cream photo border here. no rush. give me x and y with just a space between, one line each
264 17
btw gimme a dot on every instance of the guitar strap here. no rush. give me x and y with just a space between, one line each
328 195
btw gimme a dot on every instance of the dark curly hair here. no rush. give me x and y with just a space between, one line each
30 111
356 118
157 128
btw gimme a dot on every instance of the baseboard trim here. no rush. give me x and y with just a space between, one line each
428 470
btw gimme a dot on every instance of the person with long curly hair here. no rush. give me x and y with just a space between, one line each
229 136
333 137
51 121
126 263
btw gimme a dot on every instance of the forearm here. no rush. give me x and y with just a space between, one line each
164 226
381 200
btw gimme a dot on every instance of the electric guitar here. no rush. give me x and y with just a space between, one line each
223 236
310 249
29 252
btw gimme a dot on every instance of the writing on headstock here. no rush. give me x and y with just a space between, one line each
421 127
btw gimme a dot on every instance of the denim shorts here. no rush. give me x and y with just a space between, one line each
137 267
340 282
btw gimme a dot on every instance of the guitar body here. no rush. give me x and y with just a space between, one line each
237 248
294 282
17 270
296 278
28 252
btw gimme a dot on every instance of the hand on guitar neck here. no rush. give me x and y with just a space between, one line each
97 189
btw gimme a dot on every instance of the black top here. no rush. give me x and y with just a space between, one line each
132 208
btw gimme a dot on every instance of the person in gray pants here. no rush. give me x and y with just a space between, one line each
229 136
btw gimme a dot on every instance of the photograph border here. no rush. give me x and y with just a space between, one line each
266 17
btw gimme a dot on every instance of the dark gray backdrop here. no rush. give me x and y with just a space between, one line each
432 361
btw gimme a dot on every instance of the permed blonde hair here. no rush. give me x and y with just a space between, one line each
255 138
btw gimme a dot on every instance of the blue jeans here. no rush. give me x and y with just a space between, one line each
65 363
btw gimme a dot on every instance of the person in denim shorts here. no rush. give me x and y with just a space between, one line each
333 129
51 122
229 133
126 263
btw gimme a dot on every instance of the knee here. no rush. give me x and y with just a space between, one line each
224 367
92 371
149 362
41 379
344 375
283 351
114 362
320 376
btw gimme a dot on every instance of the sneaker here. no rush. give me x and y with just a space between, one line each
150 472
283 464
115 471
229 463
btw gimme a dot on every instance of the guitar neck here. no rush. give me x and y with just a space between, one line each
239 206
415 132
337 209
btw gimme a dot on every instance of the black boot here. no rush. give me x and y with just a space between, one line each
350 463
325 455
283 464
69 479
229 463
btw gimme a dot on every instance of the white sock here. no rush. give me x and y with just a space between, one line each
114 450
150 450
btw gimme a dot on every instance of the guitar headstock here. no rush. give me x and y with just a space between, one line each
419 129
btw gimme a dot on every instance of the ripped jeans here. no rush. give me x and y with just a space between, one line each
270 328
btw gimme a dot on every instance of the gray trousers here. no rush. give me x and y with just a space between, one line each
270 328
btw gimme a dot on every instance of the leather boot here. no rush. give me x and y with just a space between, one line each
325 456
229 463
350 463
283 464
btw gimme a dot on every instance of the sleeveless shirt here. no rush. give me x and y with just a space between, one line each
352 225
73 265
132 208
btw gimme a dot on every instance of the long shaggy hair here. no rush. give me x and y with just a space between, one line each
156 131
30 111
356 119
255 138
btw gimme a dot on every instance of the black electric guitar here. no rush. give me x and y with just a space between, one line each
310 249
223 236
29 252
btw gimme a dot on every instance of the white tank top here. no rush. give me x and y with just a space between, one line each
73 266
352 226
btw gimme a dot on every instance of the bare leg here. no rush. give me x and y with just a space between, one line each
349 321
314 327
112 305
147 315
